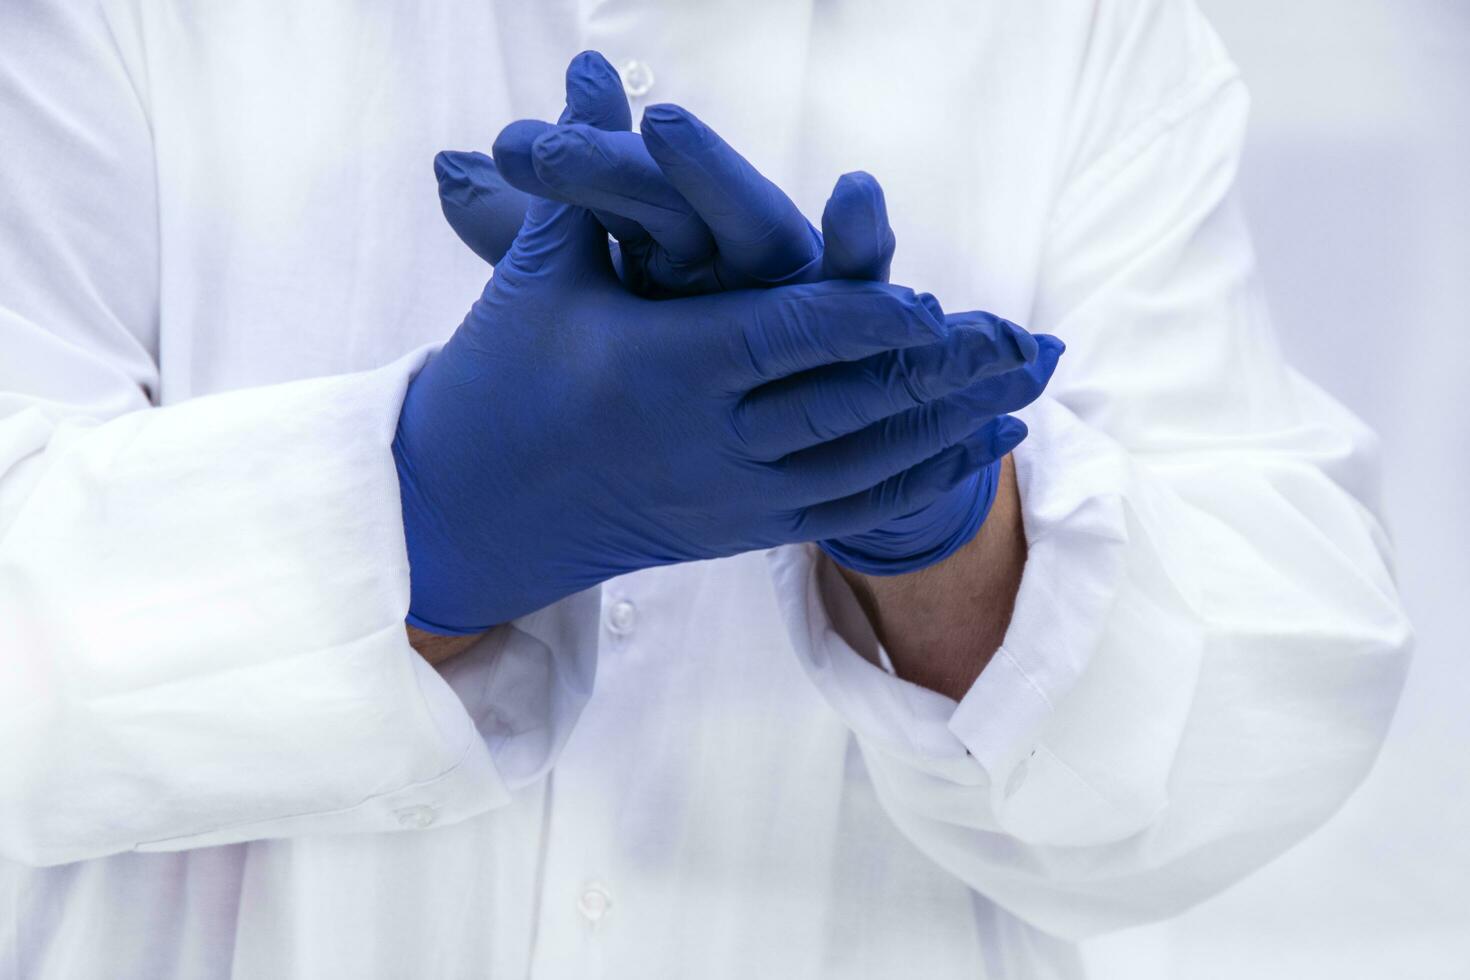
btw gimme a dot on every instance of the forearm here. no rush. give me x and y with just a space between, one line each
942 624
436 648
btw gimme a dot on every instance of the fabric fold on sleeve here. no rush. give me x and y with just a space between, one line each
204 637
1076 533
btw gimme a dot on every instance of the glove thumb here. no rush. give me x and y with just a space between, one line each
595 94
561 241
858 242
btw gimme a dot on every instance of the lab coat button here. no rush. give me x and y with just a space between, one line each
637 78
416 817
621 616
594 903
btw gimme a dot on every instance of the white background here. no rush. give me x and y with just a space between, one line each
1357 182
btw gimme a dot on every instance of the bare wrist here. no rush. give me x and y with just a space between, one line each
436 648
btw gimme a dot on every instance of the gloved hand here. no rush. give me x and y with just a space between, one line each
706 218
571 431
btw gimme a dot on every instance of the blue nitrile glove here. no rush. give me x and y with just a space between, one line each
571 431
716 222
754 234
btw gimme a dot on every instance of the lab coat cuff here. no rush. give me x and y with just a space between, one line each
446 768
1071 481
525 684
469 785
291 700
836 647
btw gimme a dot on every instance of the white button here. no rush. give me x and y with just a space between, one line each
594 903
637 78
416 817
621 617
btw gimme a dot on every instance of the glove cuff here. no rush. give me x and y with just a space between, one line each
926 537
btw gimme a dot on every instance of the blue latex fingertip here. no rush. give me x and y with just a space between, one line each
860 182
930 303
591 62
1027 345
1049 351
447 168
595 93
512 151
859 240
1009 432
661 113
671 123
554 149
517 137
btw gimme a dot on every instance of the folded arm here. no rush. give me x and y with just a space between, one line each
1206 645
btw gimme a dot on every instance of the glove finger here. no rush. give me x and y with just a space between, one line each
612 172
1014 390
858 241
513 155
595 98
761 235
916 487
886 448
816 406
484 211
512 152
771 334
595 94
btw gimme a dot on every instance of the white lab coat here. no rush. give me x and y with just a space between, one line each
221 261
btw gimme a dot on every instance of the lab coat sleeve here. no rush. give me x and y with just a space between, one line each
1207 646
202 605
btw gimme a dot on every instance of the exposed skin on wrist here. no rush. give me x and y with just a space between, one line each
436 648
942 624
